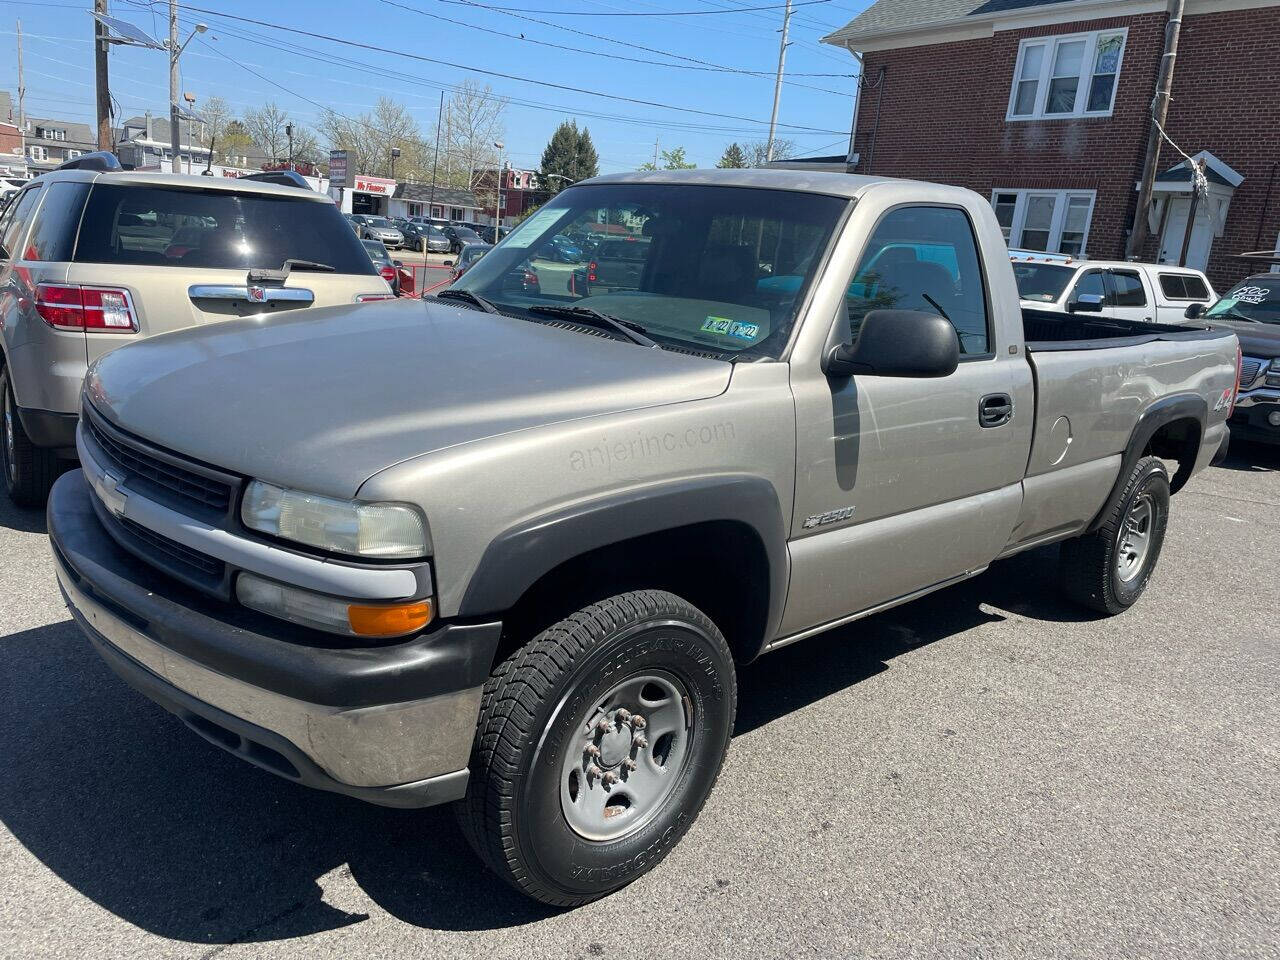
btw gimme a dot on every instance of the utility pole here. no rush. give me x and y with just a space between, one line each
435 164
288 132
103 92
777 83
1159 112
655 151
22 95
174 137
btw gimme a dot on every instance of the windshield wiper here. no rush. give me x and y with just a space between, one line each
937 306
594 318
265 275
468 297
316 265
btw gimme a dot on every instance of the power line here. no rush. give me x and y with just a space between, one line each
692 65
664 13
505 76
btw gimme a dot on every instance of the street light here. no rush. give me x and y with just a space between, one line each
395 155
497 209
175 51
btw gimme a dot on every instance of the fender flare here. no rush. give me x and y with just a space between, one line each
1179 406
519 556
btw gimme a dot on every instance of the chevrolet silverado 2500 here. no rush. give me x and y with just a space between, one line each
505 547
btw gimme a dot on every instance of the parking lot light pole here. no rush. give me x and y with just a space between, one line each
175 51
288 132
497 202
395 155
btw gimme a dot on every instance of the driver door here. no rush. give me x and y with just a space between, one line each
903 483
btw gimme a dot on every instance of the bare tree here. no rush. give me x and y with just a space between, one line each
370 137
217 115
757 151
469 127
266 126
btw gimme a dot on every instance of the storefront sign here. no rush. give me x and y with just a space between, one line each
338 168
378 185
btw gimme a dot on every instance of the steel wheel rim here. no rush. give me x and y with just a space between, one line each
626 755
1134 545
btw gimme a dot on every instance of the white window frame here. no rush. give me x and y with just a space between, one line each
37 152
1051 44
1061 201
72 154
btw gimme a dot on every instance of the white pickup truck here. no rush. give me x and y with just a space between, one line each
1146 292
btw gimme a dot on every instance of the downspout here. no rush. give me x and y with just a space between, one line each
875 128
849 163
1266 202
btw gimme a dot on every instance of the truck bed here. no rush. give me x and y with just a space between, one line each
1052 330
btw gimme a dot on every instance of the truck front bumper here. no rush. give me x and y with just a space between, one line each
392 725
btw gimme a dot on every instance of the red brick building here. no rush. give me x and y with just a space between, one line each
1044 105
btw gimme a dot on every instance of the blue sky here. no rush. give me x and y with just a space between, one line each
229 62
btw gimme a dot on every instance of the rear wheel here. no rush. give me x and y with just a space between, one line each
1109 569
597 745
29 471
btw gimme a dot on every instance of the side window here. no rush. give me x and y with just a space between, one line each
1126 289
16 221
1183 286
1089 283
54 232
924 258
1196 288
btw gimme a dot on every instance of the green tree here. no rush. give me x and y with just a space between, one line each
673 159
569 156
733 158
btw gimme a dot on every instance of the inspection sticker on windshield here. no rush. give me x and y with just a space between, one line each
532 228
731 328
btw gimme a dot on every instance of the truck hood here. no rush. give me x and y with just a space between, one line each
323 402
1260 340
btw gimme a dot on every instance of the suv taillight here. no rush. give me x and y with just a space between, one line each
591 271
99 309
388 273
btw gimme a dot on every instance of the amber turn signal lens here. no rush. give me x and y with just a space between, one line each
389 621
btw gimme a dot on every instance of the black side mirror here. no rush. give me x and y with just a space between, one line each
447 263
1195 311
1085 303
397 263
897 343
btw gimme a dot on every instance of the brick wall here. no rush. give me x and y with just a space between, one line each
1226 99
942 117
10 140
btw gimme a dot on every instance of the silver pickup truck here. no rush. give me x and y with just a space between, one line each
505 547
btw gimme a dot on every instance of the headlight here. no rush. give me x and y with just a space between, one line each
380 530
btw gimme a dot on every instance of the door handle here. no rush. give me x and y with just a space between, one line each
995 409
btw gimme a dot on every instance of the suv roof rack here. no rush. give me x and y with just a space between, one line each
101 160
285 178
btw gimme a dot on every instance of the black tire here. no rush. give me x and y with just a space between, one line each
29 471
1091 565
530 715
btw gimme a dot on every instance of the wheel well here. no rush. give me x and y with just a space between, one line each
1177 440
720 567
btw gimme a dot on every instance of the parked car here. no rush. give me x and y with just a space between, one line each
424 237
506 548
460 236
93 258
564 250
355 222
469 257
387 268
487 233
1252 310
617 264
1150 292
382 230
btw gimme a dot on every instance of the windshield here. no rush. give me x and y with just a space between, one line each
171 227
720 269
379 222
377 252
1257 299
1041 281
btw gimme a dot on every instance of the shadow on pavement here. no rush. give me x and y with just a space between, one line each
146 819
1252 457
20 518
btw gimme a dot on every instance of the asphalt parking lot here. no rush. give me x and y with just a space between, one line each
990 772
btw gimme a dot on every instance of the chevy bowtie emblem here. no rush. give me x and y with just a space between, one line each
257 294
109 492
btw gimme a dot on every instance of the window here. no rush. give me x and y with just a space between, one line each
213 229
54 232
1053 221
1183 286
1126 290
59 134
16 220
457 213
1090 284
923 258
38 153
72 154
722 270
1068 76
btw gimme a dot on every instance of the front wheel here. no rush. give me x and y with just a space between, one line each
1109 569
597 745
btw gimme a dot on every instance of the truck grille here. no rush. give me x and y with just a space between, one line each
1249 368
182 561
174 481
